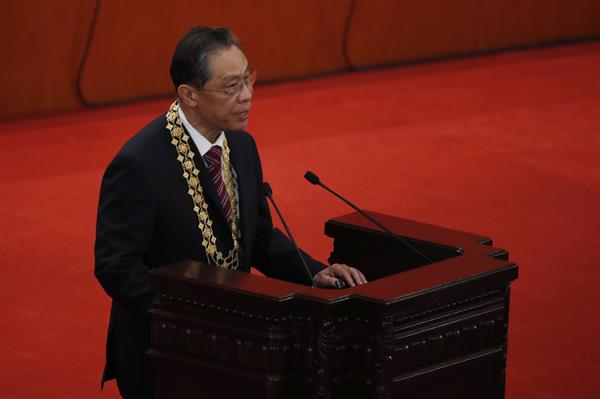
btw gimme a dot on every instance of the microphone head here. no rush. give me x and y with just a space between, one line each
311 177
267 188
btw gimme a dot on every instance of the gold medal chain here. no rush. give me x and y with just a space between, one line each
180 139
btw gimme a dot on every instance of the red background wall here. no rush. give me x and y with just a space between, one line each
42 45
132 42
131 50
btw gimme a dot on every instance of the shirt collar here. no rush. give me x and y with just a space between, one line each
201 142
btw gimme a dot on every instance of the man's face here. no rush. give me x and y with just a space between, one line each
216 110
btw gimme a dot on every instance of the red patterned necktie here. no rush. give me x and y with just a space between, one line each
213 163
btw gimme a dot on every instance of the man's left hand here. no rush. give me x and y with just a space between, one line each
327 277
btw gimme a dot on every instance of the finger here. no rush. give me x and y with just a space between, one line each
357 276
363 279
346 273
343 271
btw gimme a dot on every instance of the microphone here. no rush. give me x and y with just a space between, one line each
269 194
314 179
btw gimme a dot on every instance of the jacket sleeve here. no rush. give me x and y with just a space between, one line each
273 253
124 233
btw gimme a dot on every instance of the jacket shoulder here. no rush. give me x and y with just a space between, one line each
145 142
242 140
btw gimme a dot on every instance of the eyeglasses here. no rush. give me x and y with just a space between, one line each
235 89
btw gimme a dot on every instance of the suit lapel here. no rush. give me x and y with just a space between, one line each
243 183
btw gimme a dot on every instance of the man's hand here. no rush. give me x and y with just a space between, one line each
326 278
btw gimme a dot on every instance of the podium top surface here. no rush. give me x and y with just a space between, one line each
475 259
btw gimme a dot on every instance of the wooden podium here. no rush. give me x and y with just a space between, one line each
415 330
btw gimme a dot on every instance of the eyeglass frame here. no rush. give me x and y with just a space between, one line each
236 90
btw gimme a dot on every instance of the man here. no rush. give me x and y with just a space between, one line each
188 186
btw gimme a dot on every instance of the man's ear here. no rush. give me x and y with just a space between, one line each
187 95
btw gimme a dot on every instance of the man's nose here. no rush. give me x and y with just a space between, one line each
246 93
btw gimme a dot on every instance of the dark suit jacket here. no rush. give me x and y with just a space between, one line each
146 220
